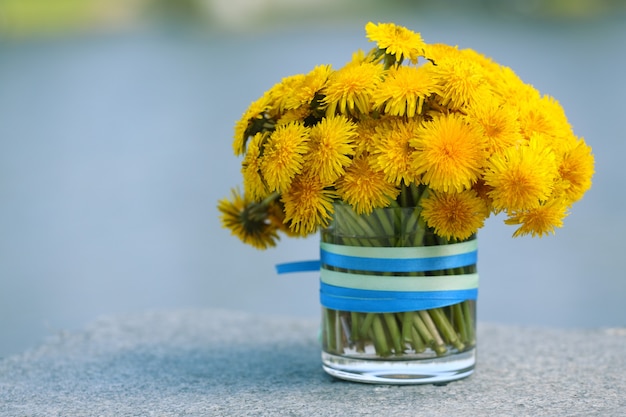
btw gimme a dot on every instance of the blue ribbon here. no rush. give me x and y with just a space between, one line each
302 266
398 265
369 301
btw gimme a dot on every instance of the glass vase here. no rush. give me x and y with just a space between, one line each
398 301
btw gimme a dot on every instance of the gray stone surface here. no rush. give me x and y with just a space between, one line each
226 363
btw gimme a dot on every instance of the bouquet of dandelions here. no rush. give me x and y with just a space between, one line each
446 132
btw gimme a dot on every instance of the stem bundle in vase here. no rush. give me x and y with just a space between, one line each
422 333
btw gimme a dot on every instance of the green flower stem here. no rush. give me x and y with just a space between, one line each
367 323
379 337
439 345
404 197
469 322
421 328
367 228
459 320
394 333
355 318
329 334
418 240
416 341
444 326
347 221
412 221
407 325
409 334
359 337
346 225
387 228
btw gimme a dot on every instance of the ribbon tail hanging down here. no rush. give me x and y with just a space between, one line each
301 266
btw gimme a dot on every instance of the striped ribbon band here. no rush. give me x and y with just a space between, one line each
366 282
405 259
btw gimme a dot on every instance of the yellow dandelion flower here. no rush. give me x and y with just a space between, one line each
359 57
365 132
283 155
396 40
450 153
497 122
521 176
248 221
252 121
461 81
489 65
512 89
365 188
541 220
392 150
253 184
349 89
294 115
281 94
331 148
454 215
310 85
496 76
405 89
576 168
308 204
436 52
543 115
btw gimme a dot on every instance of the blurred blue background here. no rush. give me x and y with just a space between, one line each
115 145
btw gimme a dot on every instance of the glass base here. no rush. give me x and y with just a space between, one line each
401 372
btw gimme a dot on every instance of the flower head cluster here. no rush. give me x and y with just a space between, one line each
405 118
